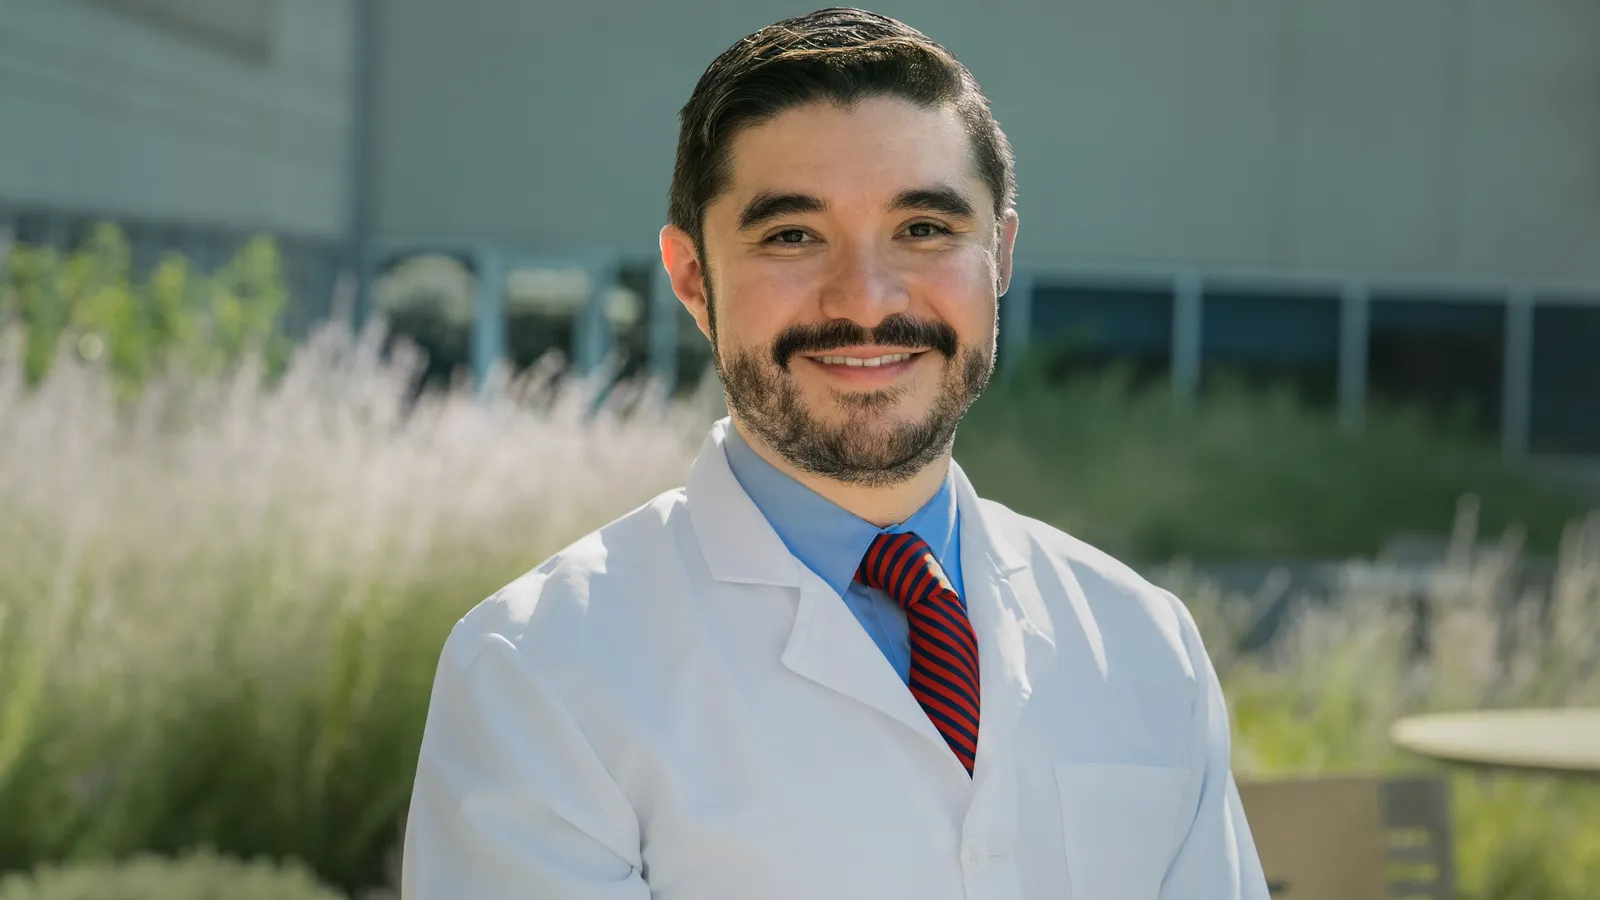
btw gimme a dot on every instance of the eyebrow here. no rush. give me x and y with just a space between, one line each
769 205
938 198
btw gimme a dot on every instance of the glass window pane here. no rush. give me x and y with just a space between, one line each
1273 340
1565 410
1085 328
542 307
1445 356
427 298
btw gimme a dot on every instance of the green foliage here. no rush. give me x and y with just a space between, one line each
222 632
1526 837
89 303
1238 472
1324 700
200 875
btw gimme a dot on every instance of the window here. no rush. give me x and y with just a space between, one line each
1565 413
1272 340
240 27
428 300
1083 328
1445 356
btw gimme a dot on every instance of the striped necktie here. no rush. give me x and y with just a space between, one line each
944 649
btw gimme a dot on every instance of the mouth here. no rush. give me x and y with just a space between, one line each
865 367
868 362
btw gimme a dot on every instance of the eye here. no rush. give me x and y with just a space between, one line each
926 229
789 237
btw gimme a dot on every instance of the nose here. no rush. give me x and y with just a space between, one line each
864 287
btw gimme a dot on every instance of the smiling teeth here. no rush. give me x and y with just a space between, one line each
875 361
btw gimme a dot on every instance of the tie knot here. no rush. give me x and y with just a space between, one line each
902 566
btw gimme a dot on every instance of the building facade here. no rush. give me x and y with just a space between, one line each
194 124
1438 139
1367 200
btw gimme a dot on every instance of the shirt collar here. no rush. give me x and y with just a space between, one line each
829 539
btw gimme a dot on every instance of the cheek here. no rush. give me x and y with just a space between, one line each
962 293
754 304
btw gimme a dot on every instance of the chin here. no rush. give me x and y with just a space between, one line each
884 415
905 398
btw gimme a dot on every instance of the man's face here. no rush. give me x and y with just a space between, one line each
849 282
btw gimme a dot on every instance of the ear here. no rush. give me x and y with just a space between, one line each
1007 243
682 262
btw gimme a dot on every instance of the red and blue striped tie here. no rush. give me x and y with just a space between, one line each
944 649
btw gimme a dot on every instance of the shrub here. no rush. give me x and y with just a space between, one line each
89 303
221 603
222 595
1323 700
1238 473
200 875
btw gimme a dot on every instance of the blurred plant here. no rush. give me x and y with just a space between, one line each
1240 472
1323 699
199 875
222 603
90 304
223 630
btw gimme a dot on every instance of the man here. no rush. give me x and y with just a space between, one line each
825 668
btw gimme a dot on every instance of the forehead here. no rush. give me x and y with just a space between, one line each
873 148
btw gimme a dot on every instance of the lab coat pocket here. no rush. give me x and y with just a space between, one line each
1119 823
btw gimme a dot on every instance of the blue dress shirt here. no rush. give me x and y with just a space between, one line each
831 541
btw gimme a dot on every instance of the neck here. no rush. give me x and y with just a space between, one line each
881 506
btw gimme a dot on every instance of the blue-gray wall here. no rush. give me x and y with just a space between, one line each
106 110
1434 138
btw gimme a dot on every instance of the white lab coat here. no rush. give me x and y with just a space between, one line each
674 707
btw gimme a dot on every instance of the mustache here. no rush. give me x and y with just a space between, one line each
897 330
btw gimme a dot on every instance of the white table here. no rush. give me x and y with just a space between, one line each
1562 741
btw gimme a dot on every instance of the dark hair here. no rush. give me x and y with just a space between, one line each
838 54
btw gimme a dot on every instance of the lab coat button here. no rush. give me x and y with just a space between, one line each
974 857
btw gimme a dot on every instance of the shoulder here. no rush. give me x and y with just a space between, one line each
554 615
1121 601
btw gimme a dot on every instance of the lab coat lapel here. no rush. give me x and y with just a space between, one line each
997 594
829 646
826 643
737 541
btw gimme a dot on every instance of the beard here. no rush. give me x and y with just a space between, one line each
762 393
